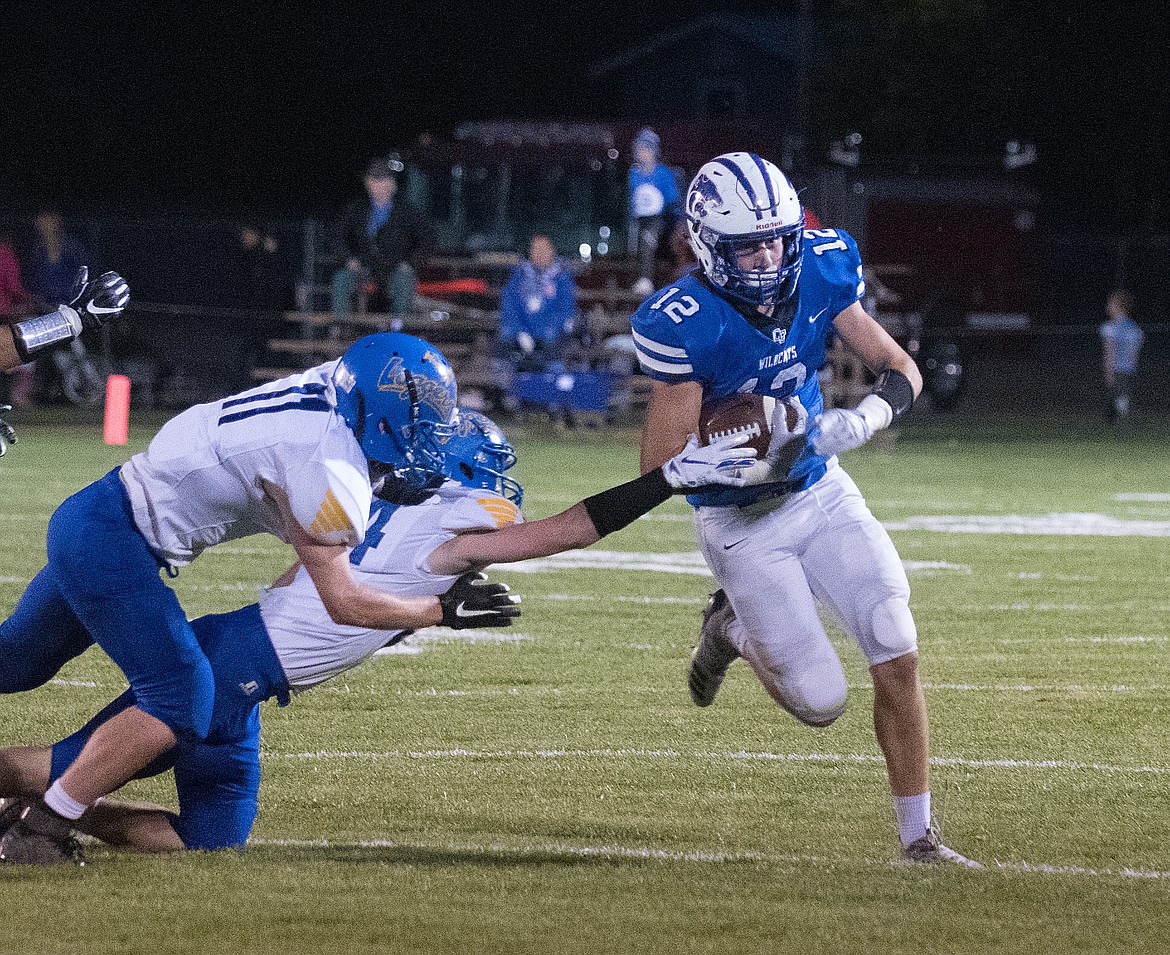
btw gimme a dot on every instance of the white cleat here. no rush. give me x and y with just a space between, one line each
929 849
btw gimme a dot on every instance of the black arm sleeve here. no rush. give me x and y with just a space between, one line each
895 389
613 509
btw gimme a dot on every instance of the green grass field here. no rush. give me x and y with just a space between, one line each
553 789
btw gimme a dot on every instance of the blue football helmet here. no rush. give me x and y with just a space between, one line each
478 454
736 202
397 394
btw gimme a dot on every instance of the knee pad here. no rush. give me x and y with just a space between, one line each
815 696
893 629
813 690
818 709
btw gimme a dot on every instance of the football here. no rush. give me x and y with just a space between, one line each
740 414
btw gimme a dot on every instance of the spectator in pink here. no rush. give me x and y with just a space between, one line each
15 303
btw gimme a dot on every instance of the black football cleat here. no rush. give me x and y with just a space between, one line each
10 811
40 837
714 654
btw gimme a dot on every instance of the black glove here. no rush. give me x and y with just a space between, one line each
96 302
473 603
7 433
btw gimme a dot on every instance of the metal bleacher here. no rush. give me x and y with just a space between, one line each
312 334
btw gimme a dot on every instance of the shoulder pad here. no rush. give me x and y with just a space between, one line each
335 509
477 509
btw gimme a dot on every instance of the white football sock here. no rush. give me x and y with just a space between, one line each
913 815
62 803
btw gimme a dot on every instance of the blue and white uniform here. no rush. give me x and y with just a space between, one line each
286 644
201 481
776 547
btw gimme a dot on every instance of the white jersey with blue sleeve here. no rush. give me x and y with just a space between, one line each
688 331
393 557
201 480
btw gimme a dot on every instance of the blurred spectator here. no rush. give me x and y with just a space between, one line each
54 260
15 303
538 309
381 240
261 282
261 279
1121 339
15 300
50 268
654 204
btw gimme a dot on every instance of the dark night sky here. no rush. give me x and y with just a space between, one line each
220 107
271 100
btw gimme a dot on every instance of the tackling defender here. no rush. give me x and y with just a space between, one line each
754 318
298 458
288 642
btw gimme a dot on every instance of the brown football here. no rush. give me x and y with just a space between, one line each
737 414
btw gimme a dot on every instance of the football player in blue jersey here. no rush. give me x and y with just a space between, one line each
288 642
753 317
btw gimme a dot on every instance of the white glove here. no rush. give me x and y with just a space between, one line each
783 449
526 342
843 429
723 462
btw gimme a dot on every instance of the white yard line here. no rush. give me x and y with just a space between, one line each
1062 765
1061 524
580 598
611 853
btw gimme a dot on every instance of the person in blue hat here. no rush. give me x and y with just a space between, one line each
654 202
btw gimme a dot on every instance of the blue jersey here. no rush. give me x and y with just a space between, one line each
652 193
689 332
1127 338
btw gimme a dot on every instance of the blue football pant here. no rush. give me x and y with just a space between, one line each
102 581
218 783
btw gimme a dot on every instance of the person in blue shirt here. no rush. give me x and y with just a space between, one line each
753 317
654 201
1121 339
538 308
54 259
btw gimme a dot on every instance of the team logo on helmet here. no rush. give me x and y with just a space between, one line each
433 393
703 194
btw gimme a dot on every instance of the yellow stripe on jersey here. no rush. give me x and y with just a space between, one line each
502 511
331 518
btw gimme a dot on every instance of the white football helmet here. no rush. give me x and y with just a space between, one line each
738 200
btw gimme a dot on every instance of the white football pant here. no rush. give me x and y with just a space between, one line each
775 556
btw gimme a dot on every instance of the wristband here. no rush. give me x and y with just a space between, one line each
622 505
896 389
